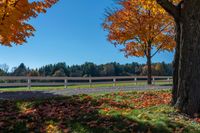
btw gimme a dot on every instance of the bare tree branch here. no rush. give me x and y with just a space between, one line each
157 51
161 30
159 48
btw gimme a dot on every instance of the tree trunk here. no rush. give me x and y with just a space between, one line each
176 64
186 88
149 70
188 92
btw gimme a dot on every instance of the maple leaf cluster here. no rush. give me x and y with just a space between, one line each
135 24
14 16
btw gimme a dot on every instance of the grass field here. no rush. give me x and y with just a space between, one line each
139 111
76 86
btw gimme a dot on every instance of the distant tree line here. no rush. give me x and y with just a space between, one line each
89 69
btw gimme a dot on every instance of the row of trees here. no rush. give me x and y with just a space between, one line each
88 69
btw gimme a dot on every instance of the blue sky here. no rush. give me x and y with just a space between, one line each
70 32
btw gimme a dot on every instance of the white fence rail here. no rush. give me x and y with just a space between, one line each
15 81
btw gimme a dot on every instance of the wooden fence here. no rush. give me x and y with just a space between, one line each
13 81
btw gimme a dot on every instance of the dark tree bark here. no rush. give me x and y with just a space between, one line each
149 70
186 91
188 94
176 64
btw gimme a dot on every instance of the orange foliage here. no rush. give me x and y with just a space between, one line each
138 23
14 15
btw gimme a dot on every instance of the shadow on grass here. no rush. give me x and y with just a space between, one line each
79 114
22 95
170 85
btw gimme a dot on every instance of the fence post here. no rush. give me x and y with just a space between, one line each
168 80
154 82
65 84
29 83
135 81
114 82
90 82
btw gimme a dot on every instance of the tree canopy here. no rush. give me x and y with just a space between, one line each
14 17
136 24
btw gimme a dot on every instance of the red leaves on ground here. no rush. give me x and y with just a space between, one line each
29 111
141 100
151 99
81 109
197 120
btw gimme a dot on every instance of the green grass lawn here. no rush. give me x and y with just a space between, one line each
139 111
77 86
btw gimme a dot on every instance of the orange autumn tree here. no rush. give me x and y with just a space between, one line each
14 17
142 27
